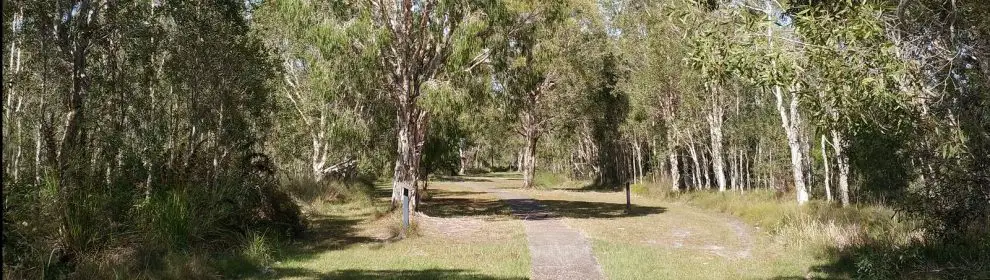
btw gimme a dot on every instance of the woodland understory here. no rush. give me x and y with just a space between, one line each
154 134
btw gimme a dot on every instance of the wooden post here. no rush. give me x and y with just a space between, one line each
628 203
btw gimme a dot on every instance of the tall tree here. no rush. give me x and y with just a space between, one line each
414 48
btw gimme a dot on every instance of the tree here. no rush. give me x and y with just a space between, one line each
857 74
529 52
416 40
331 92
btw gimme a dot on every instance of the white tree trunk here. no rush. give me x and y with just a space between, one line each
675 173
828 177
790 121
842 162
718 164
697 167
462 155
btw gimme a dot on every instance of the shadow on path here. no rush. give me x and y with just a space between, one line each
386 274
446 204
581 209
459 179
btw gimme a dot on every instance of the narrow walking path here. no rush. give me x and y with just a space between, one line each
557 251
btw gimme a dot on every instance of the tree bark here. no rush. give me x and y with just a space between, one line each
828 177
706 175
733 170
462 155
790 121
697 167
842 162
675 173
715 127
529 160
406 174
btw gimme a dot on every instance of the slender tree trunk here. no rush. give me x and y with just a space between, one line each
732 169
697 167
675 174
639 162
748 174
462 155
718 164
706 169
842 162
828 177
806 155
790 121
37 156
17 155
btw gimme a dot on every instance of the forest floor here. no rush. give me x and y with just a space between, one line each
490 228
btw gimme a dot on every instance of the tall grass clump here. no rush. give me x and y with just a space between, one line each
550 180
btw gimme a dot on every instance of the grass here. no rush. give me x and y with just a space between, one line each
463 235
676 242
859 241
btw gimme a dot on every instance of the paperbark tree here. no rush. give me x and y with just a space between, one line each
418 40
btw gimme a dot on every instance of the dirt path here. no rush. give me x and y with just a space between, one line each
557 251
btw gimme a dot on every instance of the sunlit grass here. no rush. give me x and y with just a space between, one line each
361 242
665 239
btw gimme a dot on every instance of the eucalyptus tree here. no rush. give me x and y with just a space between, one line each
658 77
528 56
858 74
148 119
330 92
716 59
415 41
946 43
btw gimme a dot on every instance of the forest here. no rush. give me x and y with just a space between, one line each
232 139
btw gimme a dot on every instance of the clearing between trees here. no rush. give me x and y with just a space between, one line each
491 228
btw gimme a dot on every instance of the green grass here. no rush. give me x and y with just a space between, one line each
548 180
662 239
356 240
627 260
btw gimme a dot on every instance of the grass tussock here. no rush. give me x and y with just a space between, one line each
549 180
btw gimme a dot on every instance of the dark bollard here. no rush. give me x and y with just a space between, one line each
405 211
628 203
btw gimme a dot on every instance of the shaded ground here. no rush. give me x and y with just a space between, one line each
677 242
353 241
557 251
489 228
390 274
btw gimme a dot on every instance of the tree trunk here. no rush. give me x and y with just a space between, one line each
790 121
705 171
718 164
842 162
733 170
809 177
697 167
639 162
411 127
675 174
462 155
828 177
529 160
